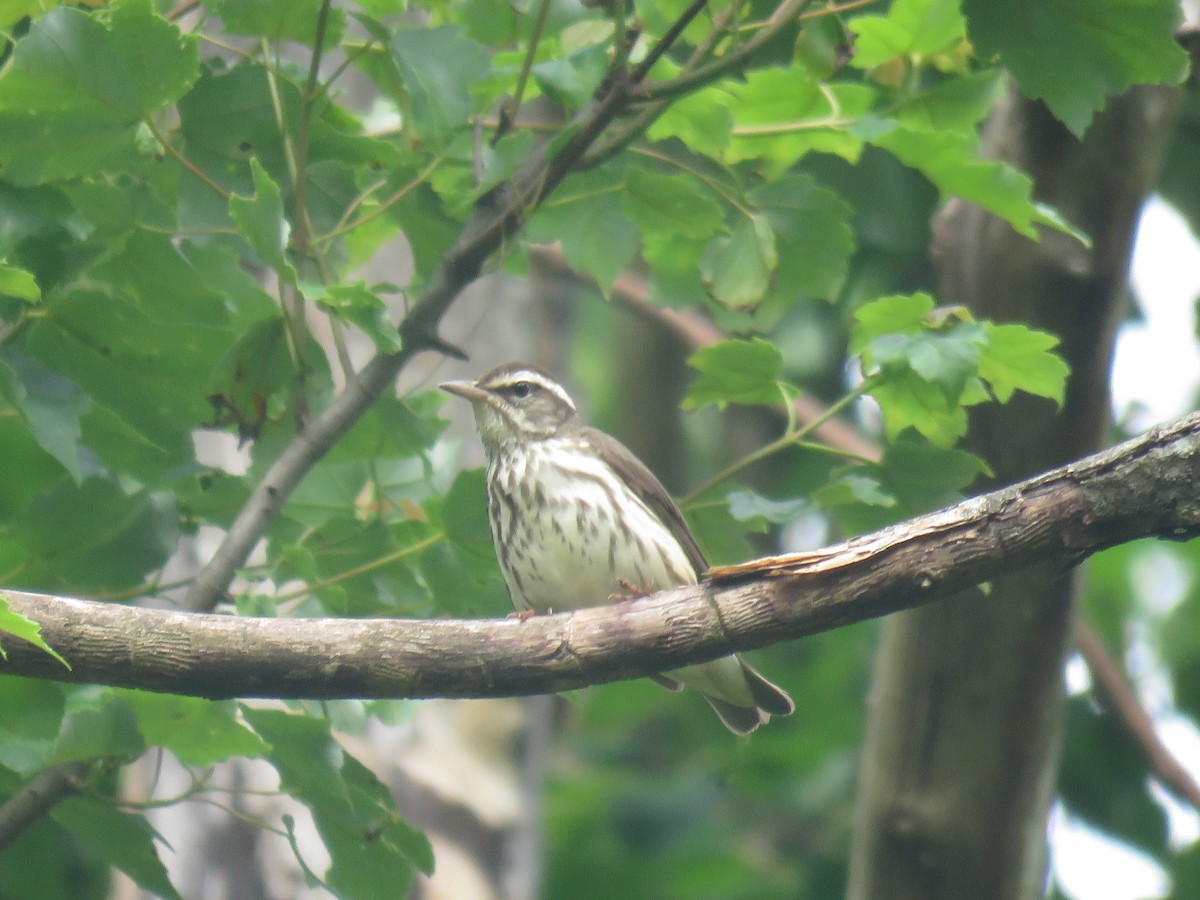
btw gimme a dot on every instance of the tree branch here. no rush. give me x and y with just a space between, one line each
495 218
44 791
1116 694
1144 487
694 331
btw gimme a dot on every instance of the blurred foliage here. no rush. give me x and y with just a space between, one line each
178 203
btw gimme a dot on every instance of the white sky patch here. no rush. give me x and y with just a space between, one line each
1085 863
1156 371
1157 363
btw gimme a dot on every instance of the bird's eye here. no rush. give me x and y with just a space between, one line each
521 390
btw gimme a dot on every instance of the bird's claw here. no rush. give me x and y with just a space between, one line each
631 591
522 614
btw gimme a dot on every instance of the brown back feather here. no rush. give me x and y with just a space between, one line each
649 489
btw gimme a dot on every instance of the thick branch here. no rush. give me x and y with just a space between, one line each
694 332
1146 487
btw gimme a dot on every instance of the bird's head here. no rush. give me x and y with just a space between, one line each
515 404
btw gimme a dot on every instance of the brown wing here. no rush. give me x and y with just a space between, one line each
649 489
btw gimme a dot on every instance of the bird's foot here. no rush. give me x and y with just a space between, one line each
523 614
631 591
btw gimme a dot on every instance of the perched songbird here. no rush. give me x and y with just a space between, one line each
577 520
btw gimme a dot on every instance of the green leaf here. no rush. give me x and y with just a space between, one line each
464 511
277 20
359 306
957 104
261 221
746 505
24 628
720 533
924 27
675 204
782 115
585 214
1074 54
925 477
75 90
1104 779
572 80
97 535
737 269
199 732
16 282
701 120
372 850
852 488
1016 357
108 729
439 66
50 405
948 359
31 712
147 317
120 839
462 571
908 400
952 162
734 371
897 314
812 233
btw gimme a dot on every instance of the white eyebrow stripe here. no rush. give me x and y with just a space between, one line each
541 381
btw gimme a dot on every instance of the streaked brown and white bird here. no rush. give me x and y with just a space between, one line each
576 519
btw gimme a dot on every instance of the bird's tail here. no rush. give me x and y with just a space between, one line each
740 696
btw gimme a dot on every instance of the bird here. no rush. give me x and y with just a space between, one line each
578 520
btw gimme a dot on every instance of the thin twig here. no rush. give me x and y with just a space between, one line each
670 36
184 161
686 82
509 110
300 231
344 226
785 440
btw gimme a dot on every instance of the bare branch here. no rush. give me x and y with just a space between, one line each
1117 696
44 791
1147 486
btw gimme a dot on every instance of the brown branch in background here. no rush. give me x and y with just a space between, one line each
1119 699
44 791
694 331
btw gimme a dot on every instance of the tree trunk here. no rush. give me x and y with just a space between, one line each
966 718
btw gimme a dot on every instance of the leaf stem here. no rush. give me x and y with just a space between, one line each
508 111
402 553
791 437
183 160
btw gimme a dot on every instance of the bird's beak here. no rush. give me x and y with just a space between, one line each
468 390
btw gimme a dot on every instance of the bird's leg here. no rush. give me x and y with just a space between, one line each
631 591
523 614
